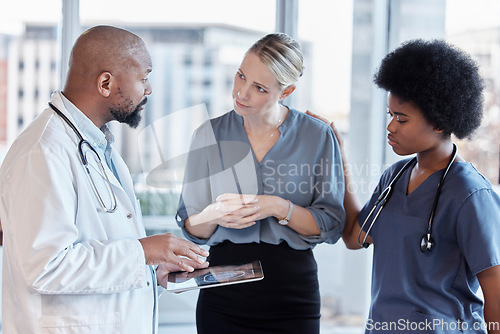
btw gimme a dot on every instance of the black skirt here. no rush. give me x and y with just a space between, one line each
287 300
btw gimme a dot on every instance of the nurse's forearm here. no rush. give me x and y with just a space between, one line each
352 206
492 319
489 279
492 315
352 209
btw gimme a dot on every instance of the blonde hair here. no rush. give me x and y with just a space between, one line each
282 55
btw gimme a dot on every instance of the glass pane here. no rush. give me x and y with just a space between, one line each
257 15
28 66
28 63
325 27
474 28
196 48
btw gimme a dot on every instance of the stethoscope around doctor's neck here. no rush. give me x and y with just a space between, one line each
427 243
84 143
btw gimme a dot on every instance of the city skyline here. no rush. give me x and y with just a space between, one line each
461 14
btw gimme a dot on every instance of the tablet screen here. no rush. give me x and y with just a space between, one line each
214 276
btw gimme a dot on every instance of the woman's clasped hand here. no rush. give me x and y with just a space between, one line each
236 211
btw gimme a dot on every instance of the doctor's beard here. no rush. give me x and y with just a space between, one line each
131 119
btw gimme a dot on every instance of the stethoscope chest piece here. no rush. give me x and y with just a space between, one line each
427 243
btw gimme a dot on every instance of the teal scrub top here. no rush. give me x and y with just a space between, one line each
436 291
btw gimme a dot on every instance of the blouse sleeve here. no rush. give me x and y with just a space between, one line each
327 205
196 193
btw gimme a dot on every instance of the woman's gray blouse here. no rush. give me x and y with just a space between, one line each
304 166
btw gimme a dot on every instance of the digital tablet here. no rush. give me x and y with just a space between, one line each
214 276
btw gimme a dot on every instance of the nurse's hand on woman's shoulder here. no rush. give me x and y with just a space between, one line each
174 252
331 124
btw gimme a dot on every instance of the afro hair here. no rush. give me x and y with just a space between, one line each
442 80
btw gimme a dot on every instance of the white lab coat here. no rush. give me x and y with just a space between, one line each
68 267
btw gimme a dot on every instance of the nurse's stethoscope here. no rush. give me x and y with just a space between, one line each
85 162
427 243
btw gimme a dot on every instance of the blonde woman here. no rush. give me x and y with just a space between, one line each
264 182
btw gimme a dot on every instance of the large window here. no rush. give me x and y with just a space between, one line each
29 63
326 26
196 46
474 27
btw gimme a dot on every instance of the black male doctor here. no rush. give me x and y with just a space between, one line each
76 255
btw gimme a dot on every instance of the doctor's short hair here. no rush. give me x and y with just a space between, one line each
282 55
442 80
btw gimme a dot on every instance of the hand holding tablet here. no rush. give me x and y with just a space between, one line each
214 276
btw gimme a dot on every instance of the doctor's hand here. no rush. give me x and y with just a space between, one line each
178 253
165 268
